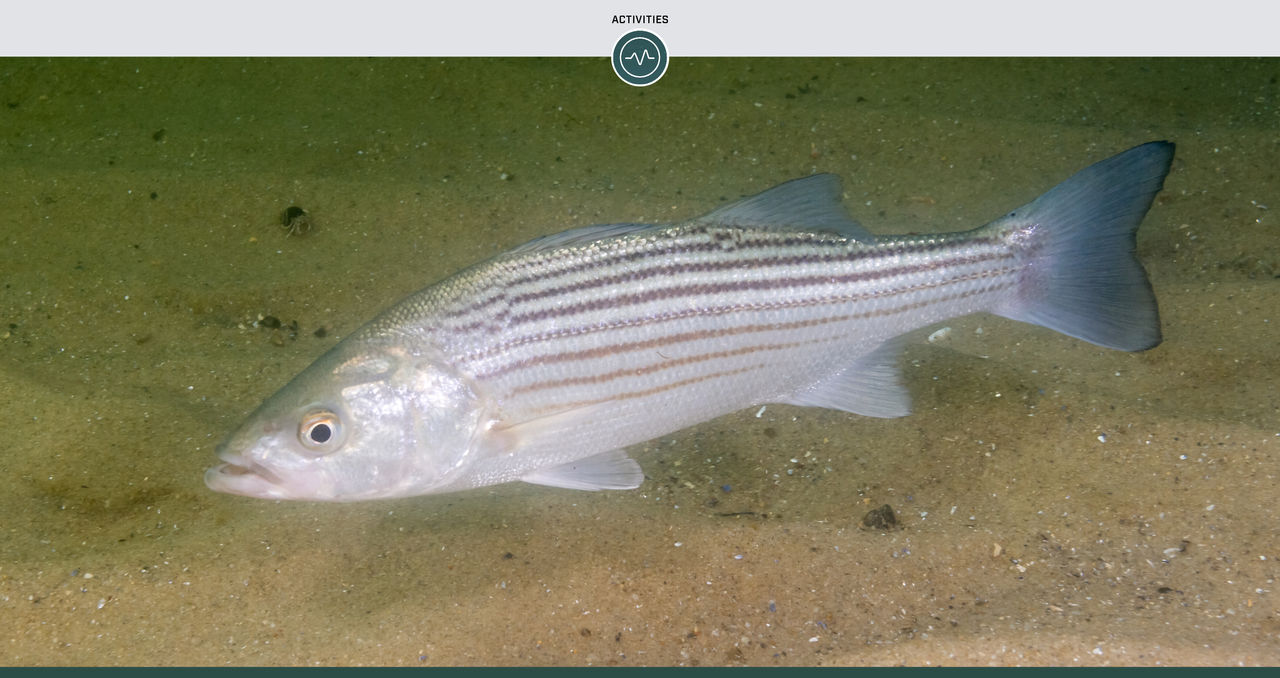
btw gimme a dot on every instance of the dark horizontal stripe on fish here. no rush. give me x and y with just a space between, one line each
680 248
502 319
629 395
675 240
668 364
685 291
545 269
698 335
710 266
635 322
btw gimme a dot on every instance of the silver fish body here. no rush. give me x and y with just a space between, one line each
544 363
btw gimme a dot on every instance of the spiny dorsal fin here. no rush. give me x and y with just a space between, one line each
582 235
807 204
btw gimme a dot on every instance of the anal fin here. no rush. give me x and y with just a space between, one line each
870 386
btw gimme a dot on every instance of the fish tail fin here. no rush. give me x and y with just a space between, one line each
1081 275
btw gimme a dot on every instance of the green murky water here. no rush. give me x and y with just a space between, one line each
1057 503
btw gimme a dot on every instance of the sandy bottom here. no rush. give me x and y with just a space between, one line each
1056 503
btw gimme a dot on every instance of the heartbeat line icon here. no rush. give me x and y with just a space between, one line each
639 57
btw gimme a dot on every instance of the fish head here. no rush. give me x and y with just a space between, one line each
357 424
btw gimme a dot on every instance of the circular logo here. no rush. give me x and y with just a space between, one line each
639 58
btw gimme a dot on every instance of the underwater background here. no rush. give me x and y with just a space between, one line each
1055 502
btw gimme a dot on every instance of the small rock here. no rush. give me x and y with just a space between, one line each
881 518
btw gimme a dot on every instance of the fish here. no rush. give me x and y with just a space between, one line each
545 363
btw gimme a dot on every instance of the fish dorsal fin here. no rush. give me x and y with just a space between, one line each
583 234
870 386
612 470
808 204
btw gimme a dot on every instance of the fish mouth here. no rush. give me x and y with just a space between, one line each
237 475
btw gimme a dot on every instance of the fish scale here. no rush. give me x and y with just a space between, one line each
592 343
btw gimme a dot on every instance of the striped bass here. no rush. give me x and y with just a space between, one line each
544 363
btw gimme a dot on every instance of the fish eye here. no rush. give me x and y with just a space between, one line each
319 430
